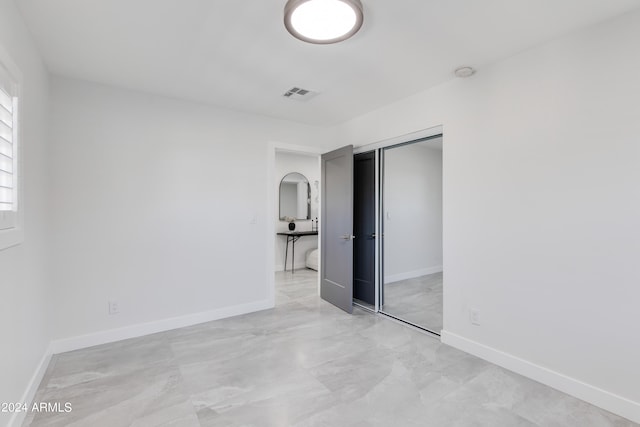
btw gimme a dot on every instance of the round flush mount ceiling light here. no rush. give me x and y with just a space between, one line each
323 21
464 72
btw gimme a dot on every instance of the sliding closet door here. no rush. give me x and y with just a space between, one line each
336 229
412 233
364 227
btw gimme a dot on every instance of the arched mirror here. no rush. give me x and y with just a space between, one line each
295 197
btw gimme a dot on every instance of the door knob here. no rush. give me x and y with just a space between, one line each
372 235
347 237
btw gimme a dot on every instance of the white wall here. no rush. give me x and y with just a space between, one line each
308 166
412 212
153 204
542 209
24 288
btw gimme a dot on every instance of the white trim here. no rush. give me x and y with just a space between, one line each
14 234
270 223
300 265
587 392
423 133
32 388
296 149
142 329
319 221
412 274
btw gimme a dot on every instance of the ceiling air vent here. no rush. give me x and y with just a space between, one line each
299 94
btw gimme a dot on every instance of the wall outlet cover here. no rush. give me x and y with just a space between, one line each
474 316
114 307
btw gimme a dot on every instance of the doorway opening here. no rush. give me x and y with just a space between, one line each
294 202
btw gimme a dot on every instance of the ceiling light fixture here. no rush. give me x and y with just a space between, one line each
323 21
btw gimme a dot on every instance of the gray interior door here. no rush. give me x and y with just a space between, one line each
336 229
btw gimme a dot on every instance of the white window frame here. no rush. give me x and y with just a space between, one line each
11 222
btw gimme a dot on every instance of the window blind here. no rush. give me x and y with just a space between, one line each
8 152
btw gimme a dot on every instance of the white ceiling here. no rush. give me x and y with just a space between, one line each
237 54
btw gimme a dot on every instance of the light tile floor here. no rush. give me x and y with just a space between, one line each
417 300
304 363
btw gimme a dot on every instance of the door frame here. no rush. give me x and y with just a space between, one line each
272 203
423 133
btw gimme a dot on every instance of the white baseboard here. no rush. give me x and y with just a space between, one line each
596 396
298 266
412 274
17 418
133 331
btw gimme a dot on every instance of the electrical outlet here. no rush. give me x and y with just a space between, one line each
114 307
474 316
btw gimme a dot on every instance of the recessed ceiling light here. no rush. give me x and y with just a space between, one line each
465 72
323 21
